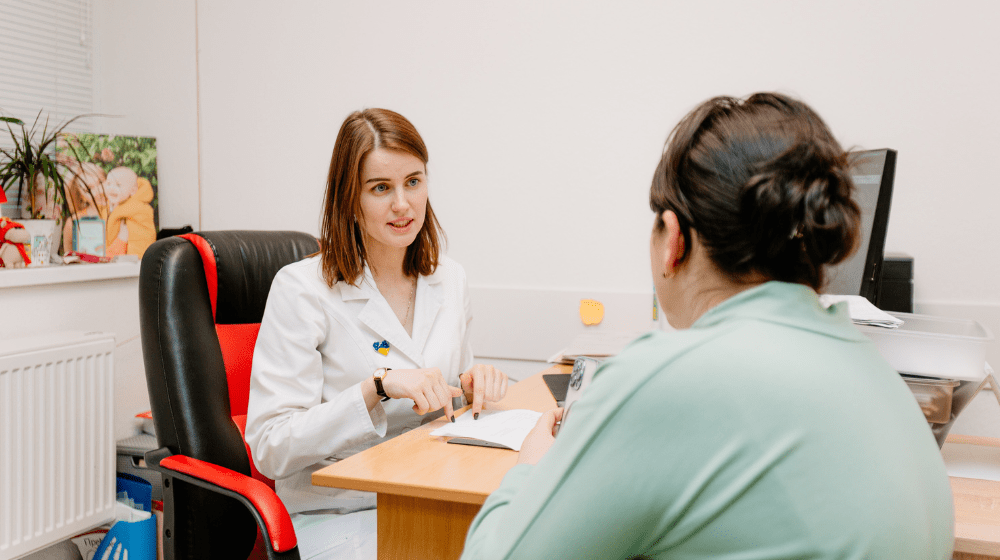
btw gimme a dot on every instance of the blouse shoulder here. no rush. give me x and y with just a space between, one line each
448 270
304 274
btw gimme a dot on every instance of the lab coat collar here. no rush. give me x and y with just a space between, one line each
379 317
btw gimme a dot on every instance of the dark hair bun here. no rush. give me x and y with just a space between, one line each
765 185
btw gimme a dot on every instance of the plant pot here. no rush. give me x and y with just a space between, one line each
42 232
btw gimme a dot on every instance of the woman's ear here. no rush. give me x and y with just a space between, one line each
674 242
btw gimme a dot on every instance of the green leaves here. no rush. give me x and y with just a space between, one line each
136 153
32 158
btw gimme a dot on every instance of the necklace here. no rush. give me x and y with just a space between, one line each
409 303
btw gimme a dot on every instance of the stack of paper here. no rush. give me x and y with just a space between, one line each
862 311
506 427
595 344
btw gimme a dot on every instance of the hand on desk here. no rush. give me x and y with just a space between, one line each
483 383
426 387
540 438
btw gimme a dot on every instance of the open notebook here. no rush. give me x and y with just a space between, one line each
503 428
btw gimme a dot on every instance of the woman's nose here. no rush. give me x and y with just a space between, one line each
399 202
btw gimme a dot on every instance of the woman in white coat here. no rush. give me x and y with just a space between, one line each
361 341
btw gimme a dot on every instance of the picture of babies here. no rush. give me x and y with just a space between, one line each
111 184
130 224
83 186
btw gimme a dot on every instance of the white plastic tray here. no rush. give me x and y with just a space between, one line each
933 346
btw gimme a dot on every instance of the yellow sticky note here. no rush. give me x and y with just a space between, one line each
591 311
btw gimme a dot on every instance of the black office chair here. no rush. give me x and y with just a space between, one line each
202 298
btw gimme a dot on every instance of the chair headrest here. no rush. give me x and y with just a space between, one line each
246 263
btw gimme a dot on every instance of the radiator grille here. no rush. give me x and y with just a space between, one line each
57 449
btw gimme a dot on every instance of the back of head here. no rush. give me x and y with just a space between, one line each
342 248
764 184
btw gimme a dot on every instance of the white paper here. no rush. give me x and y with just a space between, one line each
506 427
862 311
596 344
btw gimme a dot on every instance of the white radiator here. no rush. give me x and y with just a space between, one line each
57 448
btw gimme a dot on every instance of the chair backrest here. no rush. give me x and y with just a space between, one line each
198 334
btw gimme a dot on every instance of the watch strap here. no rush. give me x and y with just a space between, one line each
379 389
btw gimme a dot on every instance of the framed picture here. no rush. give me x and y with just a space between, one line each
111 185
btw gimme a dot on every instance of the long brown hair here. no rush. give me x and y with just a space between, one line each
342 246
764 183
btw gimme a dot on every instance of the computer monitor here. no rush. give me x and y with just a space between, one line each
873 172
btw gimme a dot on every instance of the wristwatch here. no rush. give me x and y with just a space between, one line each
379 375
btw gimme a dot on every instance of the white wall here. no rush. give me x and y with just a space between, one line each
106 305
145 81
545 120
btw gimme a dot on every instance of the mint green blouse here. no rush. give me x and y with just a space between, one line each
771 428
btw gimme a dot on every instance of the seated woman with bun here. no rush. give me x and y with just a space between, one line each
767 427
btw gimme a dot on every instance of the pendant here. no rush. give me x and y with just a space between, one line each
381 347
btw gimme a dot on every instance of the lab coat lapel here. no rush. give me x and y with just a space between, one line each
379 317
430 296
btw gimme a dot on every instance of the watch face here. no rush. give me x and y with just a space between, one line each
576 378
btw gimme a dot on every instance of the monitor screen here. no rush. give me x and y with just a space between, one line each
873 172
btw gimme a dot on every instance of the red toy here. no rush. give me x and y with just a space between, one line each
13 238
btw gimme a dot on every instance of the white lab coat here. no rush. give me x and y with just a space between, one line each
315 348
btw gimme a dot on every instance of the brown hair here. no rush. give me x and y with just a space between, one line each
764 183
342 241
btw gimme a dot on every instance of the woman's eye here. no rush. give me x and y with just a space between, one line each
380 188
413 182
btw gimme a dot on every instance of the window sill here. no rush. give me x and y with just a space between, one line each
56 274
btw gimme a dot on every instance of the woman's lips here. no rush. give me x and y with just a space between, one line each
401 225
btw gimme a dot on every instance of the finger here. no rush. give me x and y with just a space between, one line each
497 384
548 420
420 405
465 380
489 379
503 387
433 398
478 391
550 417
444 397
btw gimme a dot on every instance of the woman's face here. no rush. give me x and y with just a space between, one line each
393 198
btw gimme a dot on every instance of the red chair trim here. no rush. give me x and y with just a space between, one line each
272 511
237 343
208 260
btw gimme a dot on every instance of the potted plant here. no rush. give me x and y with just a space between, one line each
34 177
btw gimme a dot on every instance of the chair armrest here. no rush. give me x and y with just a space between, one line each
263 503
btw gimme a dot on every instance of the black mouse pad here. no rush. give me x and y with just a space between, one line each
558 385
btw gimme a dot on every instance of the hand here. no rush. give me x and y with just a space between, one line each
426 387
484 384
540 438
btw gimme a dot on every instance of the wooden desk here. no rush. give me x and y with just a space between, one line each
429 492
977 510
